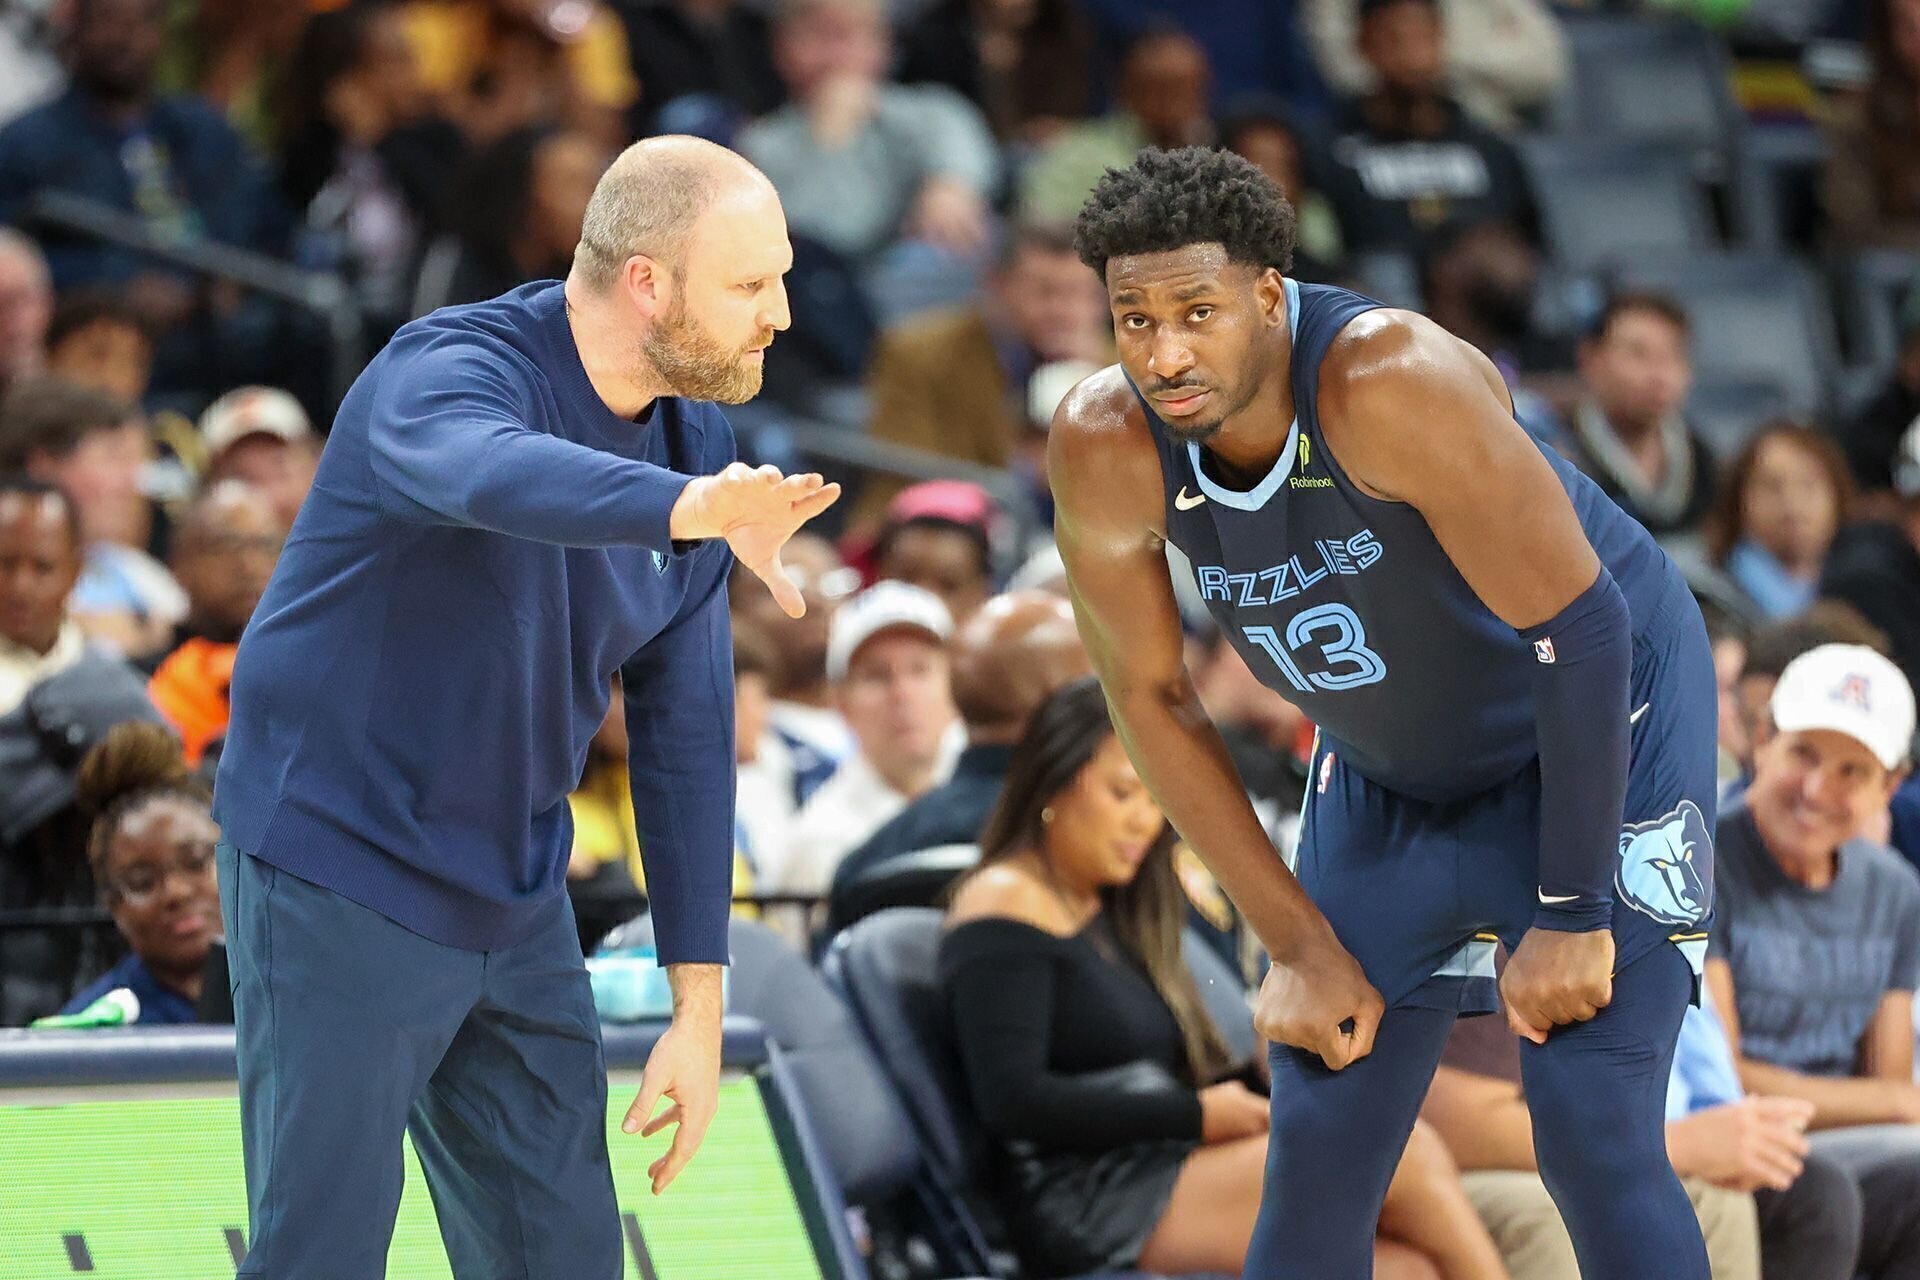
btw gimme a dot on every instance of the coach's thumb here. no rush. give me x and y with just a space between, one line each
785 593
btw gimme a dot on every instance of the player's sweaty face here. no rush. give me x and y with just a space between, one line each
1188 324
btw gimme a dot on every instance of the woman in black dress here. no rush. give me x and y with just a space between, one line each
1125 1136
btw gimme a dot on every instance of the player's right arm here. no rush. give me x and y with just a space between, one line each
1109 513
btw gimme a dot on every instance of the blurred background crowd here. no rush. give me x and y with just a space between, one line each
1687 231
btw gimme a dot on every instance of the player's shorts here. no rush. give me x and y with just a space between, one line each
1421 892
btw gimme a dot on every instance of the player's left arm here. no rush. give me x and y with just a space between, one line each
1417 416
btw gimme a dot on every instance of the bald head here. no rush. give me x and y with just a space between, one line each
649 199
1009 658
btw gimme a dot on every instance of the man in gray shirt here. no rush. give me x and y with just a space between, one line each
859 161
1816 933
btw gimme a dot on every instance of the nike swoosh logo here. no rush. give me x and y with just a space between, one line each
1181 502
1549 900
1635 717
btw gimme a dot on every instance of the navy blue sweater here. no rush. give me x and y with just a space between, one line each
484 546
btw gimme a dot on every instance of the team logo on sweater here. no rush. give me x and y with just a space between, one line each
659 562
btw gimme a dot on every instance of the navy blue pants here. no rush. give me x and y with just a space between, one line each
1421 893
353 1031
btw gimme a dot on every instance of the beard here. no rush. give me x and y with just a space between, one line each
695 364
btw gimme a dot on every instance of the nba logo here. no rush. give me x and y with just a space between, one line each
1853 692
1326 772
1543 649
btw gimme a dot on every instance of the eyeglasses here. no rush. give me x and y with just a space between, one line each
137 886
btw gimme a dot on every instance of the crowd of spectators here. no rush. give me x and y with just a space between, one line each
163 406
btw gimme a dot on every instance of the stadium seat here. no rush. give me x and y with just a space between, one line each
915 879
1726 413
1603 201
866 1137
1874 285
1757 319
1633 77
887 967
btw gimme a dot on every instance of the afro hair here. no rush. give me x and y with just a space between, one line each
1170 199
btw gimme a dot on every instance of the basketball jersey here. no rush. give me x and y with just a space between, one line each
1348 606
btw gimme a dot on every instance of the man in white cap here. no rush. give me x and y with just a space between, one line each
887 659
1816 932
261 436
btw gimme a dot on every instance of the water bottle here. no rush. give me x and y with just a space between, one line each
118 1008
630 985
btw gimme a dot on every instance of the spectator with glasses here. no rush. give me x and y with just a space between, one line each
151 849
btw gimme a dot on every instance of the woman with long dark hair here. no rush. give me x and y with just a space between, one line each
1125 1135
1774 517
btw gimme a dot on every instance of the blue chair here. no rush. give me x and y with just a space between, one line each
1605 200
887 968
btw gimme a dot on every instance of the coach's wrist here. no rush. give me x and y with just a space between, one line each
696 992
686 522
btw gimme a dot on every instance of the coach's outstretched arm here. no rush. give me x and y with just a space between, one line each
1110 513
449 445
1417 416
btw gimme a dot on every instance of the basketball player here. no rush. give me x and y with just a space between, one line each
1514 691
518 498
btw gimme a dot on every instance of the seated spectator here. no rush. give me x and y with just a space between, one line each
365 162
236 54
170 161
1263 131
1480 282
224 551
1629 431
860 162
1816 933
1253 46
40 554
1505 59
699 49
1873 178
955 381
1875 567
805 737
1774 517
1744 1161
498 66
1873 438
96 340
95 448
1768 651
1124 1137
1405 160
151 849
887 659
260 436
1008 658
940 536
1162 102
1027 64
26 306
523 199
58 696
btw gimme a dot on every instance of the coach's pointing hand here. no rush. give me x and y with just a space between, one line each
1555 978
1318 998
756 510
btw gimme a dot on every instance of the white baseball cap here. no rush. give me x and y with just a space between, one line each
1849 689
882 607
248 411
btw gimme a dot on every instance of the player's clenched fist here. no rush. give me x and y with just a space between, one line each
1319 999
1555 978
756 509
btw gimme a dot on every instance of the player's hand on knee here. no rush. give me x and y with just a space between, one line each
756 509
1318 999
1556 978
